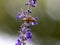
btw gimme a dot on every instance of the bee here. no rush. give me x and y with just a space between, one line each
29 19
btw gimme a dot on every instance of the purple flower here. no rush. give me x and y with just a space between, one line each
34 4
25 33
19 15
28 29
34 23
28 34
36 18
23 28
19 42
35 1
30 0
30 40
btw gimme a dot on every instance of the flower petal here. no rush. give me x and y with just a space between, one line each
29 35
19 42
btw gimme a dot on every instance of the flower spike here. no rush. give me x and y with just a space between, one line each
25 30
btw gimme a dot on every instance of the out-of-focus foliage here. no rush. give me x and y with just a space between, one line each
47 27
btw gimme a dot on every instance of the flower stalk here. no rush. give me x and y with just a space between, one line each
25 30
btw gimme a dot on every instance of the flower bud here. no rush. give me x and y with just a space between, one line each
34 4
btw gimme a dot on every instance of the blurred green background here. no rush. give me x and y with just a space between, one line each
47 32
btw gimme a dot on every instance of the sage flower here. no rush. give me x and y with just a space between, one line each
25 30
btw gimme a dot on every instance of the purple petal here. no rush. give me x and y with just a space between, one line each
30 0
35 1
19 42
19 13
36 23
28 29
34 5
23 28
32 23
36 18
30 40
19 16
29 34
